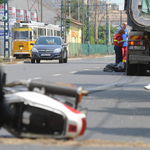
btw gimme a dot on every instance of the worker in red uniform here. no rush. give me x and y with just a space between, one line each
125 44
118 42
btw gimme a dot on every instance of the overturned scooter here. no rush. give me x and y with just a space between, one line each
45 110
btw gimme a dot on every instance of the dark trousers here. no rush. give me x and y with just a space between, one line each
118 51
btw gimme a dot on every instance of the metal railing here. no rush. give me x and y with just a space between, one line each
79 49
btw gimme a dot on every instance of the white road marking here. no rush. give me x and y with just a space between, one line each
86 69
56 75
97 67
37 78
73 72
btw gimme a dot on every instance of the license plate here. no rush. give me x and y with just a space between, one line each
137 47
45 54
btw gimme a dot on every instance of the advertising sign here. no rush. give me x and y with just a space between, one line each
20 15
12 13
27 15
1 7
33 16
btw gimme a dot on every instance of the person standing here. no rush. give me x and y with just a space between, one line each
118 42
125 38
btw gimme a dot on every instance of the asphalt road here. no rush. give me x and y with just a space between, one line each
118 105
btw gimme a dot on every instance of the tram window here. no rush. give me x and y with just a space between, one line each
51 32
40 32
34 34
58 33
48 32
55 33
44 31
21 35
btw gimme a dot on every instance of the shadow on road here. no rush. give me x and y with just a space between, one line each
138 132
124 111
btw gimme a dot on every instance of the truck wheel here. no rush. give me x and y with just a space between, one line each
130 68
32 60
141 70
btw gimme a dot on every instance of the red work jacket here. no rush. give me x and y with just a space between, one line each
117 38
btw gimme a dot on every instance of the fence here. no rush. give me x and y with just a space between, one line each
78 49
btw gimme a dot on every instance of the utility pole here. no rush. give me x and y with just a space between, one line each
62 19
41 10
107 27
6 29
120 18
88 25
65 21
83 19
96 23
69 9
78 12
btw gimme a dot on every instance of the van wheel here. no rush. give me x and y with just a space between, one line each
32 60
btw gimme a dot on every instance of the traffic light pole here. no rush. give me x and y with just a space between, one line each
6 29
107 27
62 20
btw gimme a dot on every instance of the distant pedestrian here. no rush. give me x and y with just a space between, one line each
125 44
118 42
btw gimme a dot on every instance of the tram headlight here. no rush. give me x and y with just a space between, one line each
34 50
58 50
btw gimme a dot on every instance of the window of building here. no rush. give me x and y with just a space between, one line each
53 6
53 1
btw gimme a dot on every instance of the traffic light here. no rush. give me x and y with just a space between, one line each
4 18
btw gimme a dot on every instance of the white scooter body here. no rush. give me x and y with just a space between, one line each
32 110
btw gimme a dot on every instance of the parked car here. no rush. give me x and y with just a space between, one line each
49 48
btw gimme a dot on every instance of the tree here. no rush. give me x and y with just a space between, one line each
102 33
1 1
114 6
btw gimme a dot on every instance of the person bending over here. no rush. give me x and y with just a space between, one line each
118 42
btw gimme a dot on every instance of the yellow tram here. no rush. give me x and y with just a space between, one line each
24 35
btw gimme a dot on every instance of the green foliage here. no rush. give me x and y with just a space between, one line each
92 40
1 1
68 21
102 33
